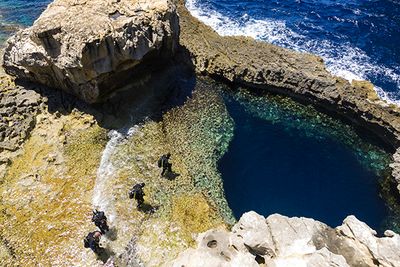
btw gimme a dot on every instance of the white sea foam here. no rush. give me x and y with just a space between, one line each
103 198
343 60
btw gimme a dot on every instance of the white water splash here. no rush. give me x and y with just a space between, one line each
269 30
343 60
103 198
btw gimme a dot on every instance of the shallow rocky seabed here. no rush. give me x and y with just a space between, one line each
54 178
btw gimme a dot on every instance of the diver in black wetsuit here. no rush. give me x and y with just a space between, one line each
92 241
163 163
100 220
138 194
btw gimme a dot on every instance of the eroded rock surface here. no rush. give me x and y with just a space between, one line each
253 64
18 107
89 48
282 241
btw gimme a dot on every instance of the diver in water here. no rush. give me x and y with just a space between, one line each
100 220
92 241
138 194
163 163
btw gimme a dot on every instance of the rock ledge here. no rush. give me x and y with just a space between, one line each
282 241
89 48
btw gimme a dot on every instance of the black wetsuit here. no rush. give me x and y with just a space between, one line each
166 166
100 220
138 194
93 242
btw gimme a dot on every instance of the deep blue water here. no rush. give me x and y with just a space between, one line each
357 39
22 12
19 12
280 161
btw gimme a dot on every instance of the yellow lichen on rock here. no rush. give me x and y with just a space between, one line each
45 196
193 215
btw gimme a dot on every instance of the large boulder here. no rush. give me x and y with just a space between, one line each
90 48
282 241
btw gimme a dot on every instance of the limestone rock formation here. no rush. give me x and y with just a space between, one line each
90 48
255 64
246 62
18 109
282 241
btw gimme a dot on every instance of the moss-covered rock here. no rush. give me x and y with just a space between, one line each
44 205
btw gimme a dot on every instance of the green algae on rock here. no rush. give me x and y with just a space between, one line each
197 134
44 202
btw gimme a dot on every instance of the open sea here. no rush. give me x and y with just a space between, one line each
357 39
15 14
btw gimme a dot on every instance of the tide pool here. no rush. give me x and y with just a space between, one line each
290 159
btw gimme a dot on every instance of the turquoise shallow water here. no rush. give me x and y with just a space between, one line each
288 158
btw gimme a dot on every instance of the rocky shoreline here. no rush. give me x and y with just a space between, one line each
282 241
253 64
131 42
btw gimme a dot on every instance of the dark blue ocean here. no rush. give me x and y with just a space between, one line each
18 13
281 158
288 158
357 39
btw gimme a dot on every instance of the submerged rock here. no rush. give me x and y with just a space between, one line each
281 241
90 48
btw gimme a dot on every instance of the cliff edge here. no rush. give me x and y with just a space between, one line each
281 241
91 48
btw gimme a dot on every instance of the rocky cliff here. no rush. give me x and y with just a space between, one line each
243 61
254 64
91 48
282 241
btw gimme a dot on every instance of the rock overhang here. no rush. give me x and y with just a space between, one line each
91 48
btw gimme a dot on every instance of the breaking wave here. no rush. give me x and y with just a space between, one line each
341 59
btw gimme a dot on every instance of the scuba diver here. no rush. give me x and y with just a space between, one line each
100 220
92 241
164 164
138 194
